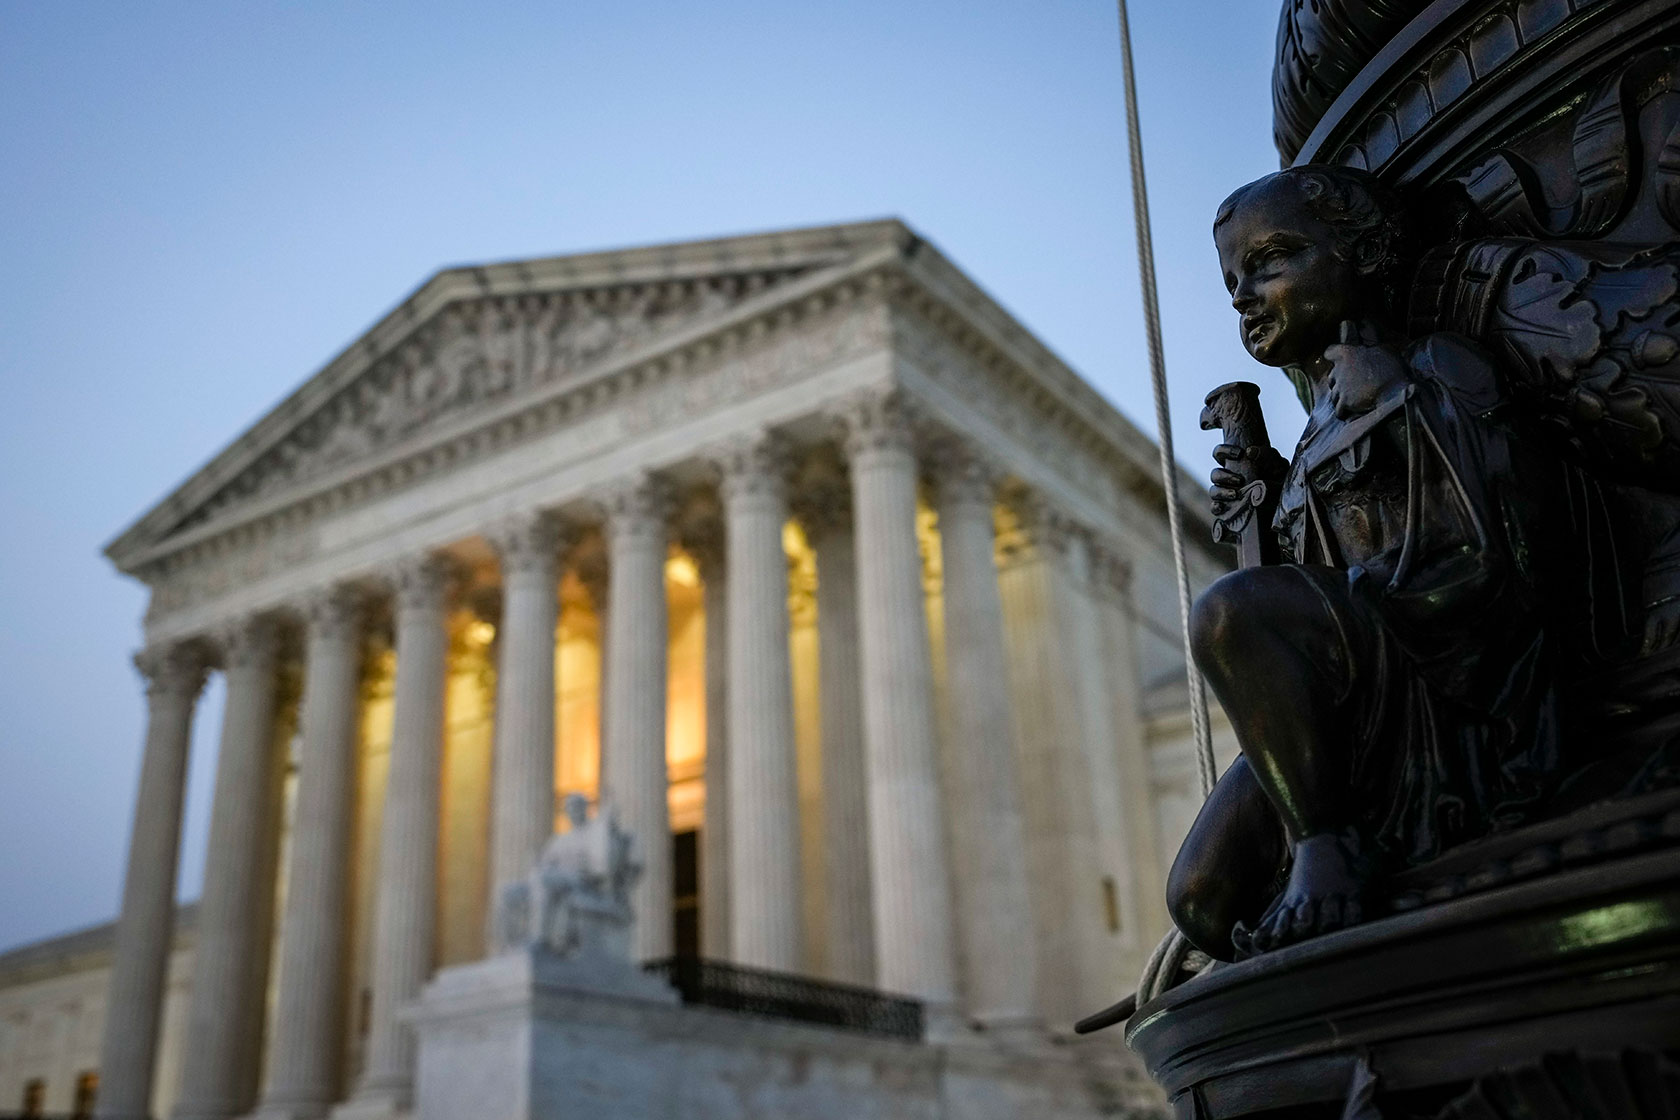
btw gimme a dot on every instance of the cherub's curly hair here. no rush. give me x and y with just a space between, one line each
1367 218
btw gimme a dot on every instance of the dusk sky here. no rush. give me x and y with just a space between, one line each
200 204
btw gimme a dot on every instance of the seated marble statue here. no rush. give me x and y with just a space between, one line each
1392 668
577 897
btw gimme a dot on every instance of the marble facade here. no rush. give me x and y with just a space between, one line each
796 541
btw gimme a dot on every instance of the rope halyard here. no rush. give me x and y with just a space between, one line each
1175 952
1163 417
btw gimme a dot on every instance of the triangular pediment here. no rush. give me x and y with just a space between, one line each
471 340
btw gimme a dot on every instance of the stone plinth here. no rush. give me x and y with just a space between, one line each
529 1036
492 1036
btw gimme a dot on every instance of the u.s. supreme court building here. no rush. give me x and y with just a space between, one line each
851 599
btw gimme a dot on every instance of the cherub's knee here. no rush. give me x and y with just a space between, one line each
1221 619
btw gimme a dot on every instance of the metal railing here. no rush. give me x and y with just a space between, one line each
780 995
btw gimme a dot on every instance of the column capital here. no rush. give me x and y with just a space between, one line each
822 498
752 465
877 420
175 669
594 572
427 581
1110 570
700 530
637 508
334 612
527 542
249 640
708 552
1051 530
483 602
962 473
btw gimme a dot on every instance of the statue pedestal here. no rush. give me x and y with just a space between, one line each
489 1044
1552 995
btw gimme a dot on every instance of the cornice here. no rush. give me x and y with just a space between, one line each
84 949
981 326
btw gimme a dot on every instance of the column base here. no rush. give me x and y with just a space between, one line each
190 1111
289 1110
382 1103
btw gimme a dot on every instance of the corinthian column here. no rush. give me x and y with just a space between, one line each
1044 615
826 511
522 795
633 774
764 792
224 1020
140 961
408 840
911 880
994 908
303 1069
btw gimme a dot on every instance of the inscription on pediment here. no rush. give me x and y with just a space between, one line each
472 355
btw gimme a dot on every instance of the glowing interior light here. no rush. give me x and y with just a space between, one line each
680 570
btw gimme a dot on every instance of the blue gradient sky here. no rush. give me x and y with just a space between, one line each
200 204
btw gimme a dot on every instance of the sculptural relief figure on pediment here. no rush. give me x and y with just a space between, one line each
1460 607
474 353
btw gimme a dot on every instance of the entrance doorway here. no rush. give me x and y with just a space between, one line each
685 891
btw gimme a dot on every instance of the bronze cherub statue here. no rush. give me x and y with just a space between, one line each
1399 662
1451 655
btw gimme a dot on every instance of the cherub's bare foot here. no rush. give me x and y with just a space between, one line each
1326 891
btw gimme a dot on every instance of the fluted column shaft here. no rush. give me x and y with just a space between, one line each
764 791
1141 886
1100 960
224 1020
715 940
145 927
633 759
522 783
1112 953
303 1072
592 571
994 906
1075 952
408 840
845 777
910 876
